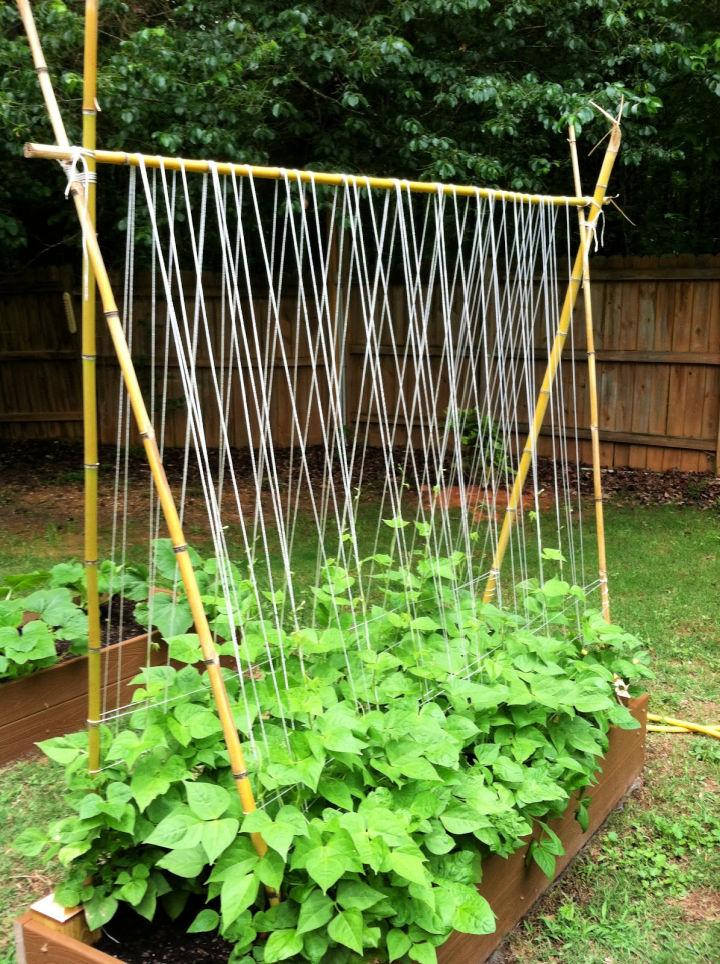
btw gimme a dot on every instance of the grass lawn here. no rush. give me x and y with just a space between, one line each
648 888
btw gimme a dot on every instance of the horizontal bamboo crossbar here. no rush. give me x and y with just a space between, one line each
196 166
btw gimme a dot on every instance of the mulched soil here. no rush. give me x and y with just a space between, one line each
38 463
162 942
122 624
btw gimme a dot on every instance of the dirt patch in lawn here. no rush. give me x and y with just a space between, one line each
701 906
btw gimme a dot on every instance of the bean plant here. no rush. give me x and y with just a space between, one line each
409 745
42 614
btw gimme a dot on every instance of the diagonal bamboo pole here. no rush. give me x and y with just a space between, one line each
89 367
585 238
112 317
598 199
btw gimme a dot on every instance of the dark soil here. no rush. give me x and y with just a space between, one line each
122 625
135 941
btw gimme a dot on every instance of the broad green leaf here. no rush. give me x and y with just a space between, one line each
398 944
347 929
99 910
408 866
206 920
326 865
217 835
237 893
281 945
460 818
207 800
270 869
315 911
336 792
179 829
357 894
621 716
544 859
185 648
185 863
424 624
423 952
471 912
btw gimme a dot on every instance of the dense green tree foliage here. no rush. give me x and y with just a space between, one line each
465 90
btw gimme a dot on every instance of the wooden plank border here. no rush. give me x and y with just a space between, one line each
53 701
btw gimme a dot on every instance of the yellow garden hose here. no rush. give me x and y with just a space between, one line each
667 724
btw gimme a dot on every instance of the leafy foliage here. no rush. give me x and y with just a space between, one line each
32 624
45 609
468 90
484 452
385 777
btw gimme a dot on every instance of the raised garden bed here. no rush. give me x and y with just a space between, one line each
510 885
53 701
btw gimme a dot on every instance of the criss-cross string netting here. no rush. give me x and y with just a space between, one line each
349 374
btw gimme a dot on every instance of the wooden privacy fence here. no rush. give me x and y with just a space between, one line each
657 324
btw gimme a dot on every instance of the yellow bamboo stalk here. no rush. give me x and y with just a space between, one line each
198 166
576 277
585 240
89 366
172 519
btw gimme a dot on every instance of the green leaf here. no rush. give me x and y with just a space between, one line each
31 842
315 911
270 869
99 910
326 865
398 944
460 818
237 893
544 859
217 835
423 952
184 862
347 929
207 800
206 920
355 894
396 523
179 829
424 624
408 866
472 914
621 716
281 945
185 648
336 792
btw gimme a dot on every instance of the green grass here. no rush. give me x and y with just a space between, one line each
648 888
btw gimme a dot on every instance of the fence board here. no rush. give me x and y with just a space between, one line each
657 324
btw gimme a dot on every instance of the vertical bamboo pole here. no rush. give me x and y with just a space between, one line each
585 237
89 368
172 519
564 322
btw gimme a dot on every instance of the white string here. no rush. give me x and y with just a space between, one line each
432 309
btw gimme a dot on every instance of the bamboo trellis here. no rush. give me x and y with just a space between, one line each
82 192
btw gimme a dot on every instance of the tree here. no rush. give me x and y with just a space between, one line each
465 90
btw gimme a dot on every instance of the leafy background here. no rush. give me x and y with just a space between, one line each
464 90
